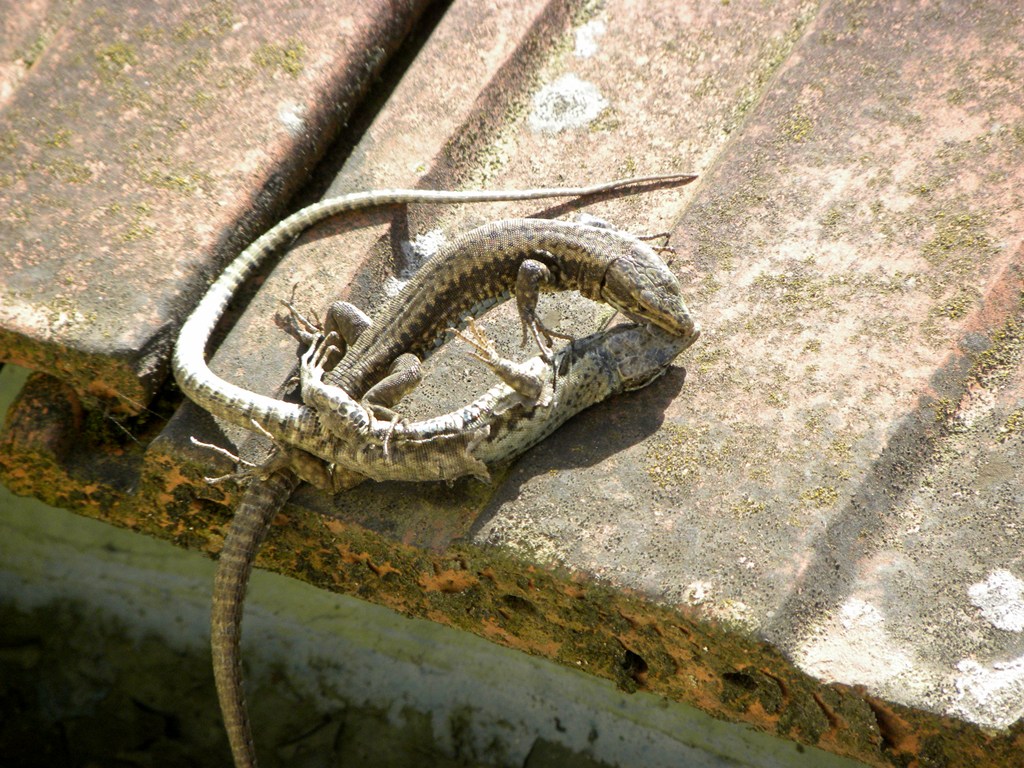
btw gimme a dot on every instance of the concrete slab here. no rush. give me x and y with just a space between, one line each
815 529
861 251
140 147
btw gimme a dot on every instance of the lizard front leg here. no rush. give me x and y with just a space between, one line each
338 410
404 375
534 277
345 320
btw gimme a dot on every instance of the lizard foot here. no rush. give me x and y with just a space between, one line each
241 476
663 247
314 362
311 469
542 335
519 376
337 410
534 277
298 324
246 472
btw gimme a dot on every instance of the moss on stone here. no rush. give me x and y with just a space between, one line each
821 496
1007 343
115 57
1014 425
287 58
799 125
676 455
958 236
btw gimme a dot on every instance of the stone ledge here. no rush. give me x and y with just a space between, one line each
837 473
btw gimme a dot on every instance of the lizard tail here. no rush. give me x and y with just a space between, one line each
262 499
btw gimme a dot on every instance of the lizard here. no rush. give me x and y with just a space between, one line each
534 399
501 424
479 269
240 406
634 280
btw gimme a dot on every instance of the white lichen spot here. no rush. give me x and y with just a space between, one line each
415 252
992 697
1000 598
587 37
854 647
293 117
569 102
697 592
857 613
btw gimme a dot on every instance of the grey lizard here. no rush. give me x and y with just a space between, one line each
468 435
499 425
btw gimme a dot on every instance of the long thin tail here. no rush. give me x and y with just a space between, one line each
262 500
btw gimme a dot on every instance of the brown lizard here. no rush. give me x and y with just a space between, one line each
303 427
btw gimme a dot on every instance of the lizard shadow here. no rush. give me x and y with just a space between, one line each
587 439
433 515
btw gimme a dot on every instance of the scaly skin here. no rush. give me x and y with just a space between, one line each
536 398
262 500
484 266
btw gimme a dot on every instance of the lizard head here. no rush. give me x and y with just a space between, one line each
644 289
638 354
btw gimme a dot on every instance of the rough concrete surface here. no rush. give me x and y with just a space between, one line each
133 164
815 529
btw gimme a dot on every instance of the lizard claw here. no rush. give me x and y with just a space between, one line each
322 355
241 475
663 247
311 369
542 335
301 326
387 435
483 348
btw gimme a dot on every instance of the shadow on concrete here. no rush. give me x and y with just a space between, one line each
856 531
589 438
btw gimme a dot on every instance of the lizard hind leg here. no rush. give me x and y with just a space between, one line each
307 467
519 376
402 377
347 320
343 322
301 327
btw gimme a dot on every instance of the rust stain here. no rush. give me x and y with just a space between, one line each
897 734
834 720
384 569
490 629
448 581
